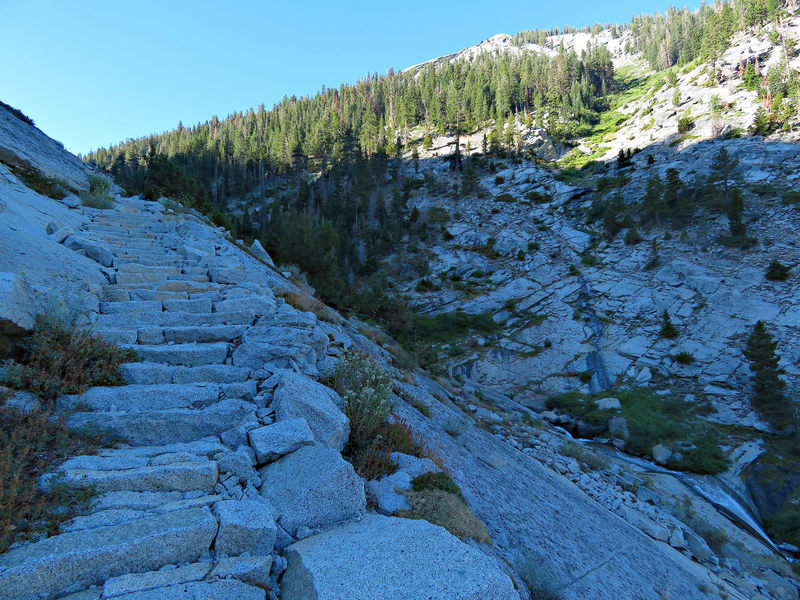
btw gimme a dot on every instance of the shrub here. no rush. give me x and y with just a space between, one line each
426 285
98 195
632 236
308 303
791 197
63 359
18 114
436 481
366 388
684 358
505 198
539 583
454 427
28 445
446 510
59 358
777 271
422 407
499 180
41 183
685 123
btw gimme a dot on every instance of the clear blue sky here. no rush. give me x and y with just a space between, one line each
94 73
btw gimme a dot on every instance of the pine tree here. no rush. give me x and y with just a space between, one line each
668 329
723 171
768 388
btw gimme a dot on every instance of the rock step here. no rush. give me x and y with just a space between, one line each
136 398
126 277
131 307
169 426
140 268
189 474
73 561
117 336
117 295
173 318
190 355
190 286
177 584
156 373
177 261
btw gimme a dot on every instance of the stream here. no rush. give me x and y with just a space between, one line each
715 490
594 361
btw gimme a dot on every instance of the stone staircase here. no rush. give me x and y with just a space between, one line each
231 450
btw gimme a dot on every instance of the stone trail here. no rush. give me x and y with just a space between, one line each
214 479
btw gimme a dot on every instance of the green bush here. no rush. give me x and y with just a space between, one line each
98 195
684 358
632 236
29 444
777 271
791 197
538 197
18 114
59 358
436 481
685 123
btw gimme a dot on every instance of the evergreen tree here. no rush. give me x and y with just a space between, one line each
668 330
768 388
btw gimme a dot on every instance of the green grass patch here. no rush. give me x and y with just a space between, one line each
652 420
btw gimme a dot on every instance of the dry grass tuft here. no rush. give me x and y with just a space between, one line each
308 303
447 510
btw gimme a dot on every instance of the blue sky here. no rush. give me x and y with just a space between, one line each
94 73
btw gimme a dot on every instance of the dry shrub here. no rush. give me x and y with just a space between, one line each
63 359
307 303
28 445
59 359
447 510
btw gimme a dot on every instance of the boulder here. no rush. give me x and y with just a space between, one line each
297 396
651 528
618 427
313 487
345 563
608 404
244 526
18 305
387 492
24 402
96 252
258 250
661 454
273 441
412 465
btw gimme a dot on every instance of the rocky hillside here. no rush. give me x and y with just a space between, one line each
231 482
581 307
